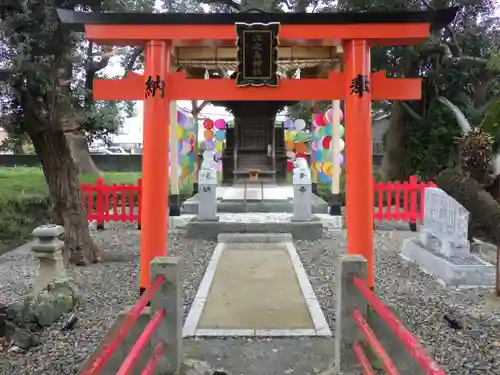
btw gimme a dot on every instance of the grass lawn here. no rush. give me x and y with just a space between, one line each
18 182
31 181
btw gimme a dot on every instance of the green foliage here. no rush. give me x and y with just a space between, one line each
491 123
430 144
19 215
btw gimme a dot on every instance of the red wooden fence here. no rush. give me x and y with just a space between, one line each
403 201
112 202
407 340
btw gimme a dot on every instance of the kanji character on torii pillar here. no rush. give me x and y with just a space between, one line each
160 34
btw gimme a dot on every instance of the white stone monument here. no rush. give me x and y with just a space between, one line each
445 224
302 194
443 249
207 191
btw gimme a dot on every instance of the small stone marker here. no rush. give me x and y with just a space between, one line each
445 224
302 193
207 192
48 249
443 249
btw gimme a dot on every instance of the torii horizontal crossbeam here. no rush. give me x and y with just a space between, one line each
178 87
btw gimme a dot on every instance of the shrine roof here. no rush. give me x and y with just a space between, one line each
77 20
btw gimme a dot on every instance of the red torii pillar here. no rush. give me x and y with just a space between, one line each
359 155
155 161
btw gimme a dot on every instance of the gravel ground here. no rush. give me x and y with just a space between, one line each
105 289
419 300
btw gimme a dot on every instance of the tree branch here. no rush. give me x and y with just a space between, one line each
412 113
288 5
229 3
133 58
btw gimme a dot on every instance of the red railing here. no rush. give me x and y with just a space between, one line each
410 343
101 358
112 202
402 200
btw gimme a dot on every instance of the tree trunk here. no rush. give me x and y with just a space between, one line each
393 160
62 179
484 210
80 153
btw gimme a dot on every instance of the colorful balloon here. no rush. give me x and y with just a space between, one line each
326 142
328 129
219 146
208 124
329 115
209 145
220 135
288 124
299 124
341 145
341 130
341 159
182 119
208 135
317 155
324 178
189 125
220 124
300 148
319 119
301 137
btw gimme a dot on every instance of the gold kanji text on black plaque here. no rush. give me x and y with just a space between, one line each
257 55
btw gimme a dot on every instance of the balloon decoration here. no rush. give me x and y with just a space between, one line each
214 134
186 139
296 139
322 147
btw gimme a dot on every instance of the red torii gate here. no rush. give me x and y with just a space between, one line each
161 33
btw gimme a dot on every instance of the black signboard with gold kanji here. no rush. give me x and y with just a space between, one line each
257 55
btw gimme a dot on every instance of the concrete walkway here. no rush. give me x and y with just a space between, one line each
255 289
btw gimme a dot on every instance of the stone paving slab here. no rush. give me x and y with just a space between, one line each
231 300
255 192
265 356
257 246
236 299
210 230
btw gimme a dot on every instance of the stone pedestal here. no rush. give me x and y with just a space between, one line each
443 249
302 193
48 249
446 246
457 271
207 193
